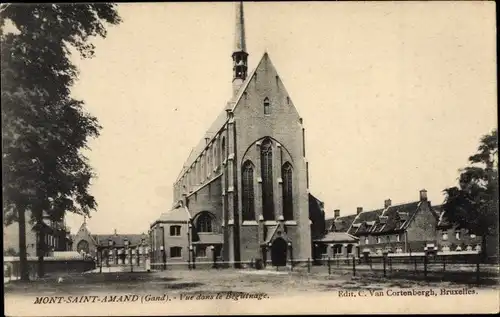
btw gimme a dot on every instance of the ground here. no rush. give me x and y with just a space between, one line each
268 281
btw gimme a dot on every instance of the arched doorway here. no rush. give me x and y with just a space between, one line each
83 245
278 252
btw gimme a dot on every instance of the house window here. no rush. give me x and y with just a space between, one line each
287 191
266 159
366 240
398 237
445 235
267 106
248 194
175 230
473 236
457 235
388 238
378 239
204 222
201 251
175 252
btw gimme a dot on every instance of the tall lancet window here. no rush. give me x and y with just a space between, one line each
248 195
287 175
223 149
266 160
214 157
267 106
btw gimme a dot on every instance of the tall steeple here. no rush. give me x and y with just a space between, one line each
240 56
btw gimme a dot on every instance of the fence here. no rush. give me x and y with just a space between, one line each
458 266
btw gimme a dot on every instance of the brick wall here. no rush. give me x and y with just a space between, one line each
283 126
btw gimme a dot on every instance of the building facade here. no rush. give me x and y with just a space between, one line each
245 185
112 249
335 242
57 237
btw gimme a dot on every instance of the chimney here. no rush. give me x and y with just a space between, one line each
423 195
336 213
206 140
116 233
387 203
359 210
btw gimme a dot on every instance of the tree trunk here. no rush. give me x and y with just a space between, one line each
23 257
41 244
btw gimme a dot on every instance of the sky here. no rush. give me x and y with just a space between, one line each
394 95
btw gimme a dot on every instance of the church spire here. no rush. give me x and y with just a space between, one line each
240 56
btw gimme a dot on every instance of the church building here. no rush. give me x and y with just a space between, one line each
242 195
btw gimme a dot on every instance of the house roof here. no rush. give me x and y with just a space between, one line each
359 225
329 223
382 221
396 218
119 239
218 124
338 237
340 224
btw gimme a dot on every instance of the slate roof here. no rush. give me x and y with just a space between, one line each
359 225
329 223
396 218
343 223
393 219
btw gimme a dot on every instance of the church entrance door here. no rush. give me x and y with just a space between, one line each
278 252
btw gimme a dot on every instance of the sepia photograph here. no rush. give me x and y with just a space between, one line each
249 157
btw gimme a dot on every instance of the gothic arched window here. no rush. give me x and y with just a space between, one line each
204 223
267 106
202 168
266 161
286 173
248 194
83 246
208 166
223 149
214 157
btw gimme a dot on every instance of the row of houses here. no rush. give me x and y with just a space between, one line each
416 226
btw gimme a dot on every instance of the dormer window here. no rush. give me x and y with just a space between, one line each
267 106
457 235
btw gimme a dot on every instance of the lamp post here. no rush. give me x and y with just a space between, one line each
214 257
126 250
162 251
291 254
191 251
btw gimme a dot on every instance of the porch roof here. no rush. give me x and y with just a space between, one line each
338 237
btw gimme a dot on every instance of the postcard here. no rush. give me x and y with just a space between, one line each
242 158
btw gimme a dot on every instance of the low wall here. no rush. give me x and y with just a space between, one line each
12 266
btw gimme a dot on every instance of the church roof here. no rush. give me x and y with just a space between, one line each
219 122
